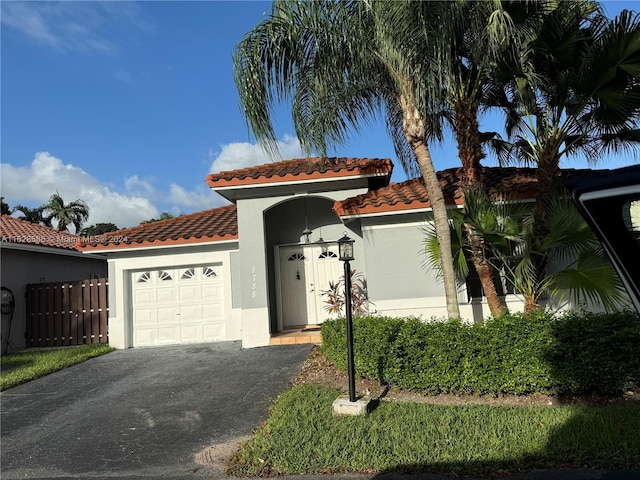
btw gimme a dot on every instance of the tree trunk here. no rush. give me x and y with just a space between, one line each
530 304
546 176
485 270
470 153
415 134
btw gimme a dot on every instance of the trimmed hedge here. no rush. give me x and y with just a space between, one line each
572 353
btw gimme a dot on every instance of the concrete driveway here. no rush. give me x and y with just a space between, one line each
142 413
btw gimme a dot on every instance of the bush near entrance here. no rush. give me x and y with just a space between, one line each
572 353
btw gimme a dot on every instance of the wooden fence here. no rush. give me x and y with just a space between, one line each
67 313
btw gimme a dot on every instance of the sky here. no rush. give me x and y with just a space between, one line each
128 106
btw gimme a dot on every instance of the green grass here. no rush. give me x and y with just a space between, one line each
25 366
302 436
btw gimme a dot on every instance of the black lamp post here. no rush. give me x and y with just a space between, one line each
345 250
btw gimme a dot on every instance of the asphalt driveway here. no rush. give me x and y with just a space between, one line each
141 413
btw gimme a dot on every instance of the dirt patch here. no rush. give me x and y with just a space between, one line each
214 458
319 370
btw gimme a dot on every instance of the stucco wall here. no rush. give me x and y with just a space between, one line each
20 267
394 258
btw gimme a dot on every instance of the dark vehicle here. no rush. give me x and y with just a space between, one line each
610 203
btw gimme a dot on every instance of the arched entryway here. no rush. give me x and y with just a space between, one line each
301 266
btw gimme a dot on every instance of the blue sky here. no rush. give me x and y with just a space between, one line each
129 105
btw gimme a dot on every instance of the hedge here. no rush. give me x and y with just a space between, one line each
572 353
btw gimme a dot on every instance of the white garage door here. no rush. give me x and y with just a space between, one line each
181 305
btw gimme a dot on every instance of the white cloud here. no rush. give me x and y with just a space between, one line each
71 26
240 155
201 198
138 186
34 184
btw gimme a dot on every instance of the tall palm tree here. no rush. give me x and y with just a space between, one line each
32 215
74 213
341 64
471 42
577 91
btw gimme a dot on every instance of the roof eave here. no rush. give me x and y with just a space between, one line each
159 244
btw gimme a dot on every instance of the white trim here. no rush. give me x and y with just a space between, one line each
276 265
296 182
369 228
41 249
158 247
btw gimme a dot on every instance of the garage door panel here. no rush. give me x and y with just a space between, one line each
213 310
168 335
145 316
144 296
172 306
213 332
190 313
189 292
146 337
190 333
166 294
167 315
213 290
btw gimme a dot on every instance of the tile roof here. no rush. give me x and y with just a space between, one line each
218 224
301 169
514 183
18 231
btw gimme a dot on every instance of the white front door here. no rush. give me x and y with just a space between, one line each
305 272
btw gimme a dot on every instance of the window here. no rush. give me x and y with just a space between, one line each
187 274
209 272
296 256
327 254
144 277
501 280
164 276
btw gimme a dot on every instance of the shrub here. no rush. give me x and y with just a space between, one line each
372 336
574 353
596 352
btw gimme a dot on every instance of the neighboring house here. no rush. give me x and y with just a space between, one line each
32 253
252 269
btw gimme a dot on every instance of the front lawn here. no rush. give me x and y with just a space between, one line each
302 436
25 366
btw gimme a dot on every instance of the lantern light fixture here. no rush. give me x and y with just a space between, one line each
345 248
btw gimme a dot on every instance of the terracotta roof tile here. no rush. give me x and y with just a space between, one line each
514 183
19 231
218 224
301 169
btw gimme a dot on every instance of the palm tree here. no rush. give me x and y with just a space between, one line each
76 212
577 91
4 207
581 271
471 42
341 64
32 215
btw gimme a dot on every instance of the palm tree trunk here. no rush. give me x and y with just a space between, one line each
470 153
546 176
414 132
485 270
530 304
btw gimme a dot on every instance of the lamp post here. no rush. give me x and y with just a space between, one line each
345 250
